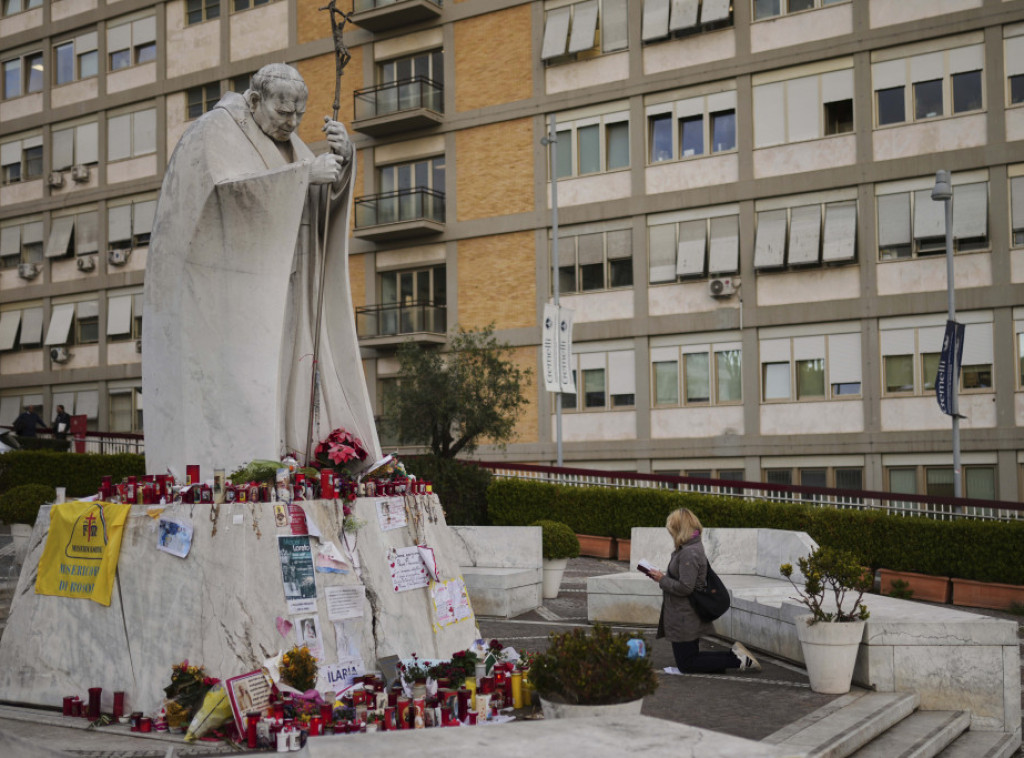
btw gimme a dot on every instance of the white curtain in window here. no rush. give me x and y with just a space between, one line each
978 344
926 67
119 137
621 373
87 309
684 15
32 326
67 399
662 253
119 37
777 381
10 408
142 216
969 58
770 244
691 249
10 240
724 257
837 85
9 321
775 351
119 315
60 236
808 348
840 232
88 404
119 223
929 216
144 30
970 210
896 341
613 25
566 251
1017 201
86 233
10 152
714 10
87 143
590 248
655 19
86 43
584 26
619 244
804 234
63 152
769 114
60 324
888 74
894 220
32 232
144 132
803 109
592 360
844 362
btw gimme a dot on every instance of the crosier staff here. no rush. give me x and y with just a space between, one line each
341 58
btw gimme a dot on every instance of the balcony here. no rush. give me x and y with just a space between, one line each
381 15
392 324
400 214
399 106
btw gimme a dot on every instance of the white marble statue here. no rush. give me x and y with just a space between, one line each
231 287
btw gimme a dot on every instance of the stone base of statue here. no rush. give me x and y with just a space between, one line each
224 605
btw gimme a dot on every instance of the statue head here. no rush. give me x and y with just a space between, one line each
277 100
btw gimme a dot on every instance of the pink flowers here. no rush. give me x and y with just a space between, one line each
340 447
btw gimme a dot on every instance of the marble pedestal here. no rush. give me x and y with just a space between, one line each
217 607
502 567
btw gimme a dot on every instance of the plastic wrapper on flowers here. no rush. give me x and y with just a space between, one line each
213 713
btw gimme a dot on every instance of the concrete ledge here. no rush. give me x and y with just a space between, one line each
502 568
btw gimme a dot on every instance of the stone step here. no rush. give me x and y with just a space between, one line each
847 724
922 734
983 745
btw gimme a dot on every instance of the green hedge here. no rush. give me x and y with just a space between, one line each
80 473
44 443
20 505
987 551
461 487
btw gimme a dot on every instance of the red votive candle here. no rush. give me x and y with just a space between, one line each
94 703
472 718
66 706
326 712
402 712
252 720
192 474
118 705
315 726
463 696
389 718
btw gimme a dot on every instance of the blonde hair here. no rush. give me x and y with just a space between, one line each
681 524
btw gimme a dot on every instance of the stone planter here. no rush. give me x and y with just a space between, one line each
553 570
622 549
20 534
935 589
973 594
567 711
596 547
830 652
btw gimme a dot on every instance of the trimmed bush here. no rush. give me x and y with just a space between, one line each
558 540
80 473
461 487
20 505
986 551
44 443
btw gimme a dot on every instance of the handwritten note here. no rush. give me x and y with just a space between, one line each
407 569
344 602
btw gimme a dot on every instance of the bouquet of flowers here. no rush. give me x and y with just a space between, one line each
413 672
299 669
342 451
185 693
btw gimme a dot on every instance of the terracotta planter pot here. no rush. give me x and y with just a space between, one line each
972 594
622 548
596 547
935 589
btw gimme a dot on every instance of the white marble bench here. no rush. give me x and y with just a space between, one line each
502 567
954 659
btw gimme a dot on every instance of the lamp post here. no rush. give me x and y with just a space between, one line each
943 190
551 141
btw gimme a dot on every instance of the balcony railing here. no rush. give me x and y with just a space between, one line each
391 320
399 106
403 213
381 15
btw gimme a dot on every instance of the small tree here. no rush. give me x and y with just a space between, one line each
450 400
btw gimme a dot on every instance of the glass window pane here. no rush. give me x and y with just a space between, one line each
65 63
810 378
899 373
564 154
775 381
967 91
767 8
569 399
12 79
903 480
34 66
617 136
850 478
145 53
800 5
592 277
661 137
593 388
778 476
120 59
666 383
939 482
589 158
1017 89
813 477
567 278
1020 359
730 380
928 99
698 383
891 106
976 377
980 482
723 131
88 64
620 271
691 136
929 368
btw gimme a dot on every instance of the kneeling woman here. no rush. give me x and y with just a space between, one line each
688 569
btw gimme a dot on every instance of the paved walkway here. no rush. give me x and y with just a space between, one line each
746 705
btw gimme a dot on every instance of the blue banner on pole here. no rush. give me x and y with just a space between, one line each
949 366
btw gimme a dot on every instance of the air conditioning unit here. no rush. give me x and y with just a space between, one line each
87 263
118 257
80 172
55 179
59 354
29 270
138 346
722 287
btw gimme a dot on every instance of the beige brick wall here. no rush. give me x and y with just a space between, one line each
319 75
357 279
314 23
495 176
526 430
492 55
497 281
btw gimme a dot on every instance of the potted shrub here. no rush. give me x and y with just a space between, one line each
559 544
582 675
834 584
19 507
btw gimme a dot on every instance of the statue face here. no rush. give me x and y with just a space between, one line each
280 114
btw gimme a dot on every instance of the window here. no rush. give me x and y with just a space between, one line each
822 476
667 18
23 75
699 374
939 82
125 409
702 242
34 72
21 328
83 401
1017 89
820 367
415 81
790 106
1017 210
73 234
131 43
608 381
575 31
593 145
979 481
592 259
124 316
198 11
408 191
910 354
75 323
74 145
21 242
129 224
76 59
21 160
413 301
17 6
911 224
202 99
241 83
692 127
12 78
800 235
771 8
130 135
244 5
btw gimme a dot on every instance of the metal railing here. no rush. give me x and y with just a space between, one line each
361 6
395 97
103 442
896 504
393 319
399 206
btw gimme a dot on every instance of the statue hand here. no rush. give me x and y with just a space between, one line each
338 139
326 169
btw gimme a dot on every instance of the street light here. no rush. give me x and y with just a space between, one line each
943 190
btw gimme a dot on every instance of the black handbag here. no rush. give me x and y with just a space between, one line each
712 600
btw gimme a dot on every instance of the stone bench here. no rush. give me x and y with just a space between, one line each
502 567
953 659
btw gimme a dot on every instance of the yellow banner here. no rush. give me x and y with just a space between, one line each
82 548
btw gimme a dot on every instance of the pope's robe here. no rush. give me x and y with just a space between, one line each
230 302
